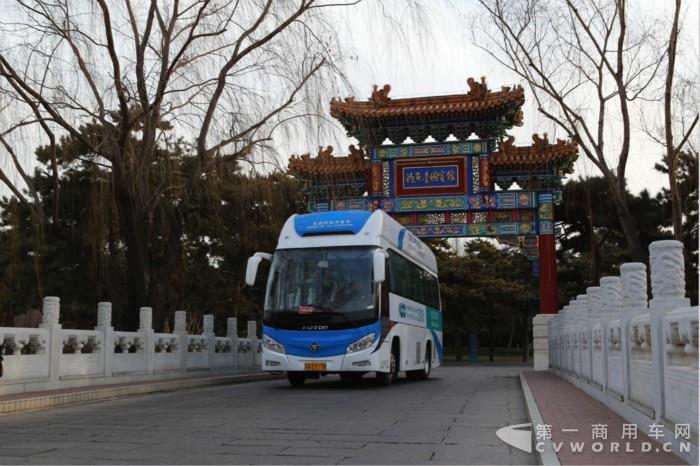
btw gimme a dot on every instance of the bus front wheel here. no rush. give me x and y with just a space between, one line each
296 379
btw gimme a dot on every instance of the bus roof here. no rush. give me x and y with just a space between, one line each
354 228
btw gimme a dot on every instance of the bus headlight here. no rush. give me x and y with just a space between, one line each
272 345
361 344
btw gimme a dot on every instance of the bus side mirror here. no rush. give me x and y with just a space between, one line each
251 270
379 263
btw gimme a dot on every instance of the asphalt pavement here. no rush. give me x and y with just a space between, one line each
451 418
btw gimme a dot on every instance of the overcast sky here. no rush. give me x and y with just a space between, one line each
437 55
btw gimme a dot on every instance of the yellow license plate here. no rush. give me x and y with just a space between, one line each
314 366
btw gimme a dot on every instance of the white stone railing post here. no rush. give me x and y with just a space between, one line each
597 329
561 332
104 325
668 290
579 315
147 333
51 311
611 307
208 333
252 334
180 329
633 277
232 333
580 319
571 332
560 337
563 342
540 341
584 332
576 309
551 344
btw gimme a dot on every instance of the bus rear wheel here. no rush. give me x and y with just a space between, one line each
296 379
422 374
387 378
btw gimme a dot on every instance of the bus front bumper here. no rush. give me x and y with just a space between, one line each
367 360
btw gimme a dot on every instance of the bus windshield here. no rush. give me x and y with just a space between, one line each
330 287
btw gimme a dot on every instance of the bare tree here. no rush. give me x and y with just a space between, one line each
585 67
123 82
673 149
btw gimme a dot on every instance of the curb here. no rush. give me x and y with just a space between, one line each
96 394
547 456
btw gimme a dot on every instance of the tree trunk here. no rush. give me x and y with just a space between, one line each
671 152
511 333
458 345
458 337
160 292
676 202
113 288
595 260
136 236
627 221
593 243
491 339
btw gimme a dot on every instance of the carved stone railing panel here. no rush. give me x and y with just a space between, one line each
680 327
167 352
166 343
641 371
197 344
81 341
128 343
224 352
82 352
129 352
25 353
19 341
615 361
640 338
223 345
197 352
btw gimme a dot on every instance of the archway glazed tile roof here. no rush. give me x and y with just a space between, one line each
478 101
563 154
326 165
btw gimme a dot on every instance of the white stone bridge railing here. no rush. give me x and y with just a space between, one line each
52 357
638 357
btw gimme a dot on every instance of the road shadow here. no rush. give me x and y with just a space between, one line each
333 382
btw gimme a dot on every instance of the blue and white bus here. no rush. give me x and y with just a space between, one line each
350 292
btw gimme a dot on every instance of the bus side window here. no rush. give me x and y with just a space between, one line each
411 281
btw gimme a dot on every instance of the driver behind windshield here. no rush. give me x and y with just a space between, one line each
354 295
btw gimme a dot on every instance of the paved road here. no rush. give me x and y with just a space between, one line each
450 419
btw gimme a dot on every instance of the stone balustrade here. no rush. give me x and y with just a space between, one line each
53 357
638 357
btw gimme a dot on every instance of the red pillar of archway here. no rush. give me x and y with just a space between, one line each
549 302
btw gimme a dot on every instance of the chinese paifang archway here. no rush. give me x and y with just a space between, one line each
455 188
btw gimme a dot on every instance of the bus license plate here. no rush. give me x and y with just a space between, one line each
314 366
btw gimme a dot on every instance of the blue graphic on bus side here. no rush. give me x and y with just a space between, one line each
438 345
